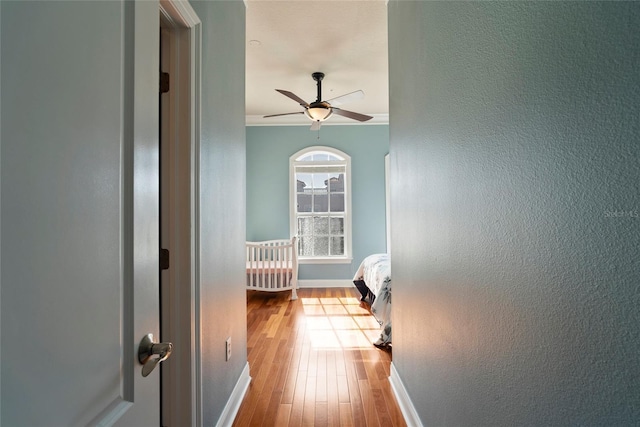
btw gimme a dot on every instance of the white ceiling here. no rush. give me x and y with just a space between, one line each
289 40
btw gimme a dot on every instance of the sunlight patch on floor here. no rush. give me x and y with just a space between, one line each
339 323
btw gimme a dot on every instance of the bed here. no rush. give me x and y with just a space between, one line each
272 266
373 280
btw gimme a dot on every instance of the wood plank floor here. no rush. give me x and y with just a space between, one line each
312 362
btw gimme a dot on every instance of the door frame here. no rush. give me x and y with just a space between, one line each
181 395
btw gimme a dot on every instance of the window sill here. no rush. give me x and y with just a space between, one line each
327 260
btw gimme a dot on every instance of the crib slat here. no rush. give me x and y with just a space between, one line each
272 266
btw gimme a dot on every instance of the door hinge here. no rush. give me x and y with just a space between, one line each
164 259
164 82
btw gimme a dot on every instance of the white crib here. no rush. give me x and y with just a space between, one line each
272 266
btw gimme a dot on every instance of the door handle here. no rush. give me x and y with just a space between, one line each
148 349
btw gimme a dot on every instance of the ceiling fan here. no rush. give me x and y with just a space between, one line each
319 110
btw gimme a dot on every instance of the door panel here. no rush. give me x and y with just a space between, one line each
79 212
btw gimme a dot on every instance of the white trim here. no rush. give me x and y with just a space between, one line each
196 249
0 232
235 400
179 11
387 201
404 401
335 283
302 120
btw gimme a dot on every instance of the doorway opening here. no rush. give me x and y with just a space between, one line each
179 29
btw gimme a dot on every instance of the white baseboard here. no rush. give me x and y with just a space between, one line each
340 283
404 401
235 400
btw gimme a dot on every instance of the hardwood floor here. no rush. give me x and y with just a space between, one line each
312 362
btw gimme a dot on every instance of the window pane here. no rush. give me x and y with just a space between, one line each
305 226
320 203
304 186
320 181
336 183
337 246
306 246
321 225
337 202
304 181
321 246
304 202
337 226
319 155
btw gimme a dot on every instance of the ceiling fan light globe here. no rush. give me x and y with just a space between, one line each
318 113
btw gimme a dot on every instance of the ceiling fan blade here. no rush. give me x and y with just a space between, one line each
350 114
343 99
294 97
315 125
283 114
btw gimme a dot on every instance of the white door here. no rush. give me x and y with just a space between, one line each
79 212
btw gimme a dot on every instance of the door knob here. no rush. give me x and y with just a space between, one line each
150 353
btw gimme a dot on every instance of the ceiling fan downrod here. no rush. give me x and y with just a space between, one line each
318 76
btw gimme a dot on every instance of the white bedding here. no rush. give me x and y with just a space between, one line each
375 272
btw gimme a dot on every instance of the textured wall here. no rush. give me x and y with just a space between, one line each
268 152
515 148
222 209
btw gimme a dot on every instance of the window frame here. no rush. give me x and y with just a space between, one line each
347 257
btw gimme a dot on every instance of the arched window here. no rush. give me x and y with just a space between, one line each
320 199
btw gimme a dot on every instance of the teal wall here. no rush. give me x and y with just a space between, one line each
268 152
515 200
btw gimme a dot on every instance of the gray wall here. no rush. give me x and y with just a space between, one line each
268 152
79 208
515 149
222 193
62 156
